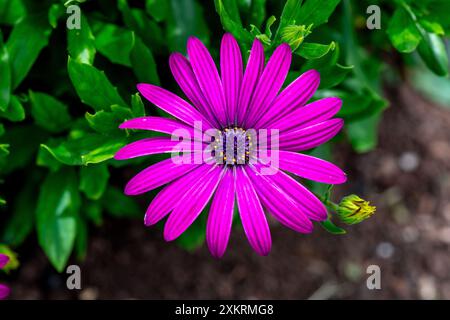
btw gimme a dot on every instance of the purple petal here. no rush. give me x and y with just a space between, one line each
188 209
208 78
310 137
170 195
253 71
185 77
311 168
172 104
155 145
305 199
269 84
295 95
280 204
4 291
231 71
157 175
252 215
221 216
313 113
4 259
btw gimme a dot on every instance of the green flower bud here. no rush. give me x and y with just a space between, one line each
13 262
352 209
294 35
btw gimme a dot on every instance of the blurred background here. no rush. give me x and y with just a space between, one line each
64 90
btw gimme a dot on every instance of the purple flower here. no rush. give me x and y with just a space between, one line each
4 290
231 106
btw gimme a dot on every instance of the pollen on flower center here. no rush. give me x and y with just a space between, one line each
232 146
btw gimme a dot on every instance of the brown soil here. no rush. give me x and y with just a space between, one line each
407 177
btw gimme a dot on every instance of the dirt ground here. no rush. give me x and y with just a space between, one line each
407 177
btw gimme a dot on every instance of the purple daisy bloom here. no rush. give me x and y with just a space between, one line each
4 290
232 105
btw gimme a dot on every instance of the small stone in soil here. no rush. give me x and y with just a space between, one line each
409 161
385 250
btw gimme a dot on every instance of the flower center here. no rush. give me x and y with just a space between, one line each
232 146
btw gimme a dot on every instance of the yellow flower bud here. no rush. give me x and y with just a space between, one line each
352 209
13 262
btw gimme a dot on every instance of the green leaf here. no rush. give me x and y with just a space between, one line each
257 12
24 142
270 21
46 159
137 106
195 235
233 26
81 43
15 111
81 239
90 148
358 104
55 12
92 86
433 52
316 12
5 79
93 212
108 122
56 216
48 112
12 11
322 152
331 72
119 205
158 9
331 227
233 10
138 21
21 222
186 19
4 149
327 61
309 50
102 121
333 75
24 44
93 180
438 11
363 133
143 63
432 27
114 42
402 32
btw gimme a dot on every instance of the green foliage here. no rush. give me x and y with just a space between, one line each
49 113
413 26
28 37
56 216
92 86
63 93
